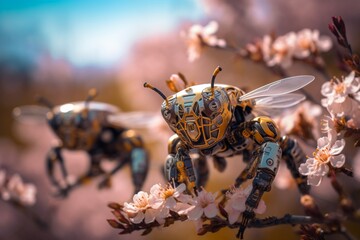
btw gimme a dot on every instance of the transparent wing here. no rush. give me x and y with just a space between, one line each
151 126
279 101
30 114
280 87
274 105
136 120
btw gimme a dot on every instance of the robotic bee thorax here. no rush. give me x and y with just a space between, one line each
199 115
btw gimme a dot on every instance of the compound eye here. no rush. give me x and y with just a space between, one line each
214 106
167 114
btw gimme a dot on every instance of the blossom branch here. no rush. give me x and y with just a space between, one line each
123 223
304 46
345 202
338 29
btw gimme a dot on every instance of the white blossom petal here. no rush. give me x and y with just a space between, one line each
185 198
195 213
337 161
211 210
337 147
327 89
156 202
239 204
323 169
181 188
183 208
138 218
322 142
233 216
325 44
349 78
314 180
170 202
304 168
150 215
211 28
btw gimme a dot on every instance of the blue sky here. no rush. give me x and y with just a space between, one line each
86 32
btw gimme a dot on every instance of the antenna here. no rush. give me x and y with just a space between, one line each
147 85
215 73
91 95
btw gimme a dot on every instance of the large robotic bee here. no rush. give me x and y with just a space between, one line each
85 126
218 120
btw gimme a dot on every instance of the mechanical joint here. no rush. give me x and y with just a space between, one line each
270 155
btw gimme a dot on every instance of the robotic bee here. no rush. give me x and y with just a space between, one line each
86 126
218 120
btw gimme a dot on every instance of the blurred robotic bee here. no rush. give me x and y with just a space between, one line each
85 126
219 120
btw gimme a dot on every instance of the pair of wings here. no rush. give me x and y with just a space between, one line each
271 98
268 99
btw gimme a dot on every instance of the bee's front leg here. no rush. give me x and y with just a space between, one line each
269 159
54 156
265 134
201 169
179 169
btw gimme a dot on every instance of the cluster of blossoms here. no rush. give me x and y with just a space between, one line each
199 36
342 98
166 204
301 122
281 51
14 189
274 51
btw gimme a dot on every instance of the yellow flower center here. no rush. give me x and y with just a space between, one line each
322 155
305 43
339 88
142 202
168 192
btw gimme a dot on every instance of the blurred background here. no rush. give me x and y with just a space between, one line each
61 49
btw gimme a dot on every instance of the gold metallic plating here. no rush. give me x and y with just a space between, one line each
199 117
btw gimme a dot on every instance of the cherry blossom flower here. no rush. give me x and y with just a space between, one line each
157 204
309 41
167 196
318 166
199 36
204 204
140 209
175 83
281 50
337 92
235 204
302 122
17 190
